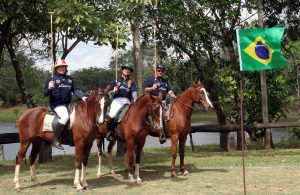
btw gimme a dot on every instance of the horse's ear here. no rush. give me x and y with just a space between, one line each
194 84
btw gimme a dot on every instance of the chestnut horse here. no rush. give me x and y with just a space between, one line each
141 117
179 123
83 134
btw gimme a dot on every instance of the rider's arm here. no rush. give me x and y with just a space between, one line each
149 86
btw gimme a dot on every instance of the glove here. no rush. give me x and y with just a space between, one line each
84 98
51 85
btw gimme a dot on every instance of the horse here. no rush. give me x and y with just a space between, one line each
142 116
83 134
179 123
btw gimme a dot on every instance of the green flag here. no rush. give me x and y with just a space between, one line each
259 48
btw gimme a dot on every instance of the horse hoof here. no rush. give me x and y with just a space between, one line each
18 189
85 187
139 181
80 190
186 173
112 172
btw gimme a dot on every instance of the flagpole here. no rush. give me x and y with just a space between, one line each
242 129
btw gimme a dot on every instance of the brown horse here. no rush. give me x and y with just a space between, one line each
141 117
83 134
179 124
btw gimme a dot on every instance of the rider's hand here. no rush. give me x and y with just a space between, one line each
173 96
116 89
51 85
84 98
154 86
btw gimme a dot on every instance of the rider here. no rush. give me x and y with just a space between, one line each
123 91
155 85
60 88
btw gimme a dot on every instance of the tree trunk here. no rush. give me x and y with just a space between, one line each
135 28
1 152
45 154
26 96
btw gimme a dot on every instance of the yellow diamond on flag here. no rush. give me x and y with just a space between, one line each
260 51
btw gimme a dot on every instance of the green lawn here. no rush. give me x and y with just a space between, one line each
211 172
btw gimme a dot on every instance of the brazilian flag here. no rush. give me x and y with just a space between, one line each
259 48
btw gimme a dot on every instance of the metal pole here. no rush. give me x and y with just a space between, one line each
51 42
242 130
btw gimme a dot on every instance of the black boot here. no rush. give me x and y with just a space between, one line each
163 137
57 134
110 129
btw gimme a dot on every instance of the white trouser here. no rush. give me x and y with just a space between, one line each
63 114
116 105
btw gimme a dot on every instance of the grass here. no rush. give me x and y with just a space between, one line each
212 172
11 114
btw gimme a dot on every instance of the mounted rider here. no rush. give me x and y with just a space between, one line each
60 88
123 90
155 85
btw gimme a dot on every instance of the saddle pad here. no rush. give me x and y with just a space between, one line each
48 120
47 126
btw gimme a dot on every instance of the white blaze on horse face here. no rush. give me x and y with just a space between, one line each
206 97
101 118
160 117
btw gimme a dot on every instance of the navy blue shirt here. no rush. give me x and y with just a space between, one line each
61 94
124 89
162 86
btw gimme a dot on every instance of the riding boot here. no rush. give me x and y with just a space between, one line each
57 135
110 129
163 137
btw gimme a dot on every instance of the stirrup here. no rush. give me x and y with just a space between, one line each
109 137
57 145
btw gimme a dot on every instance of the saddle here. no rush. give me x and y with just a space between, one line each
51 121
117 120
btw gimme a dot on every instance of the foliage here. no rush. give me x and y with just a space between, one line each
90 78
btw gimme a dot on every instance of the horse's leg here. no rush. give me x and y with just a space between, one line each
36 145
21 154
130 146
78 165
138 150
85 158
174 140
109 150
100 153
182 142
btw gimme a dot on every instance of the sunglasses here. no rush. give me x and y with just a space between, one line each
160 71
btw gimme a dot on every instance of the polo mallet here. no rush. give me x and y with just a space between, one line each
51 43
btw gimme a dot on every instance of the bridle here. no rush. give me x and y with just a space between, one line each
197 92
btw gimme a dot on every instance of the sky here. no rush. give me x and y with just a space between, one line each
85 56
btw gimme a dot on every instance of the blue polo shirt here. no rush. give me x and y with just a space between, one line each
124 89
162 86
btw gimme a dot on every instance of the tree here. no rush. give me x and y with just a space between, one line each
20 20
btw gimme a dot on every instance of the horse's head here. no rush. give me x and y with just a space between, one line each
156 112
103 104
200 95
